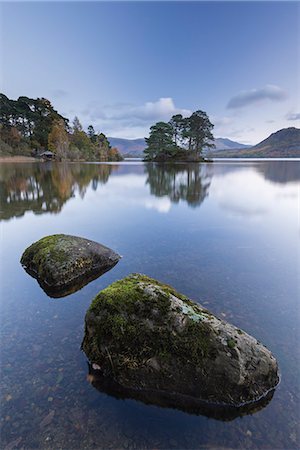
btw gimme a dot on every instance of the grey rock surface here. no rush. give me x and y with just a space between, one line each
62 264
146 336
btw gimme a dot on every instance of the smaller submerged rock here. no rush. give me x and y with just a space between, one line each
146 336
62 264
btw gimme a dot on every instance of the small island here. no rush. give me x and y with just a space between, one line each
182 139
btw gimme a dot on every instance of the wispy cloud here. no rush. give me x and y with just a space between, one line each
221 121
161 109
129 118
293 116
58 93
245 98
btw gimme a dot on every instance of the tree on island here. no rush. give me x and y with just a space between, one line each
180 139
160 140
177 123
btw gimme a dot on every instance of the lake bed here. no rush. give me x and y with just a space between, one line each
225 234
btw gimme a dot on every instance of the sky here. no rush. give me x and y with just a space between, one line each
122 66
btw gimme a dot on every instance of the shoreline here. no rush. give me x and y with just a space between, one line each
18 159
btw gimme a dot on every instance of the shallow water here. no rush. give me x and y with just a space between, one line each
225 234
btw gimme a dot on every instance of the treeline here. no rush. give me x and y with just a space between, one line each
182 138
31 126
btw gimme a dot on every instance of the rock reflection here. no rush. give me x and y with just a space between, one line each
187 182
45 188
183 403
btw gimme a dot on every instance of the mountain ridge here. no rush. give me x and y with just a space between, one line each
135 147
284 143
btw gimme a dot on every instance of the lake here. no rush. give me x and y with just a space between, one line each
225 234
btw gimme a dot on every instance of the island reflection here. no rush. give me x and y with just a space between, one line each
47 187
187 182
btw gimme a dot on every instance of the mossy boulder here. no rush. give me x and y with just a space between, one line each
146 336
62 264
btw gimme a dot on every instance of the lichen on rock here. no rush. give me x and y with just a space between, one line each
146 336
62 264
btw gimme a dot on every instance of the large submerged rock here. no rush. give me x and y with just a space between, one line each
62 264
167 399
147 337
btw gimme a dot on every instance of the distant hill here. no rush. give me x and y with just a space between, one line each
227 144
286 140
132 147
284 143
135 147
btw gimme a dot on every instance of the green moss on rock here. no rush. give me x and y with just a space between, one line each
63 264
146 335
134 316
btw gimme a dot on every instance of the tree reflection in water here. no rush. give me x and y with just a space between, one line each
187 182
46 187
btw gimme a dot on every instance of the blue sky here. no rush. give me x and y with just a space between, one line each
123 66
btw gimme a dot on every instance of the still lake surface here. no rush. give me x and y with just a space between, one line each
225 234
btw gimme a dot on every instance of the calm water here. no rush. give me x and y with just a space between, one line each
225 234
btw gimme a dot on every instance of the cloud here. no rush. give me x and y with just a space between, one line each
134 120
245 98
293 116
162 109
221 121
58 93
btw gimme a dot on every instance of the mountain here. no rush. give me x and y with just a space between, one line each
227 144
286 140
284 143
132 147
135 147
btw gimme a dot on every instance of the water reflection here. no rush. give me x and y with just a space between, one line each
254 189
183 403
188 182
243 267
44 188
280 172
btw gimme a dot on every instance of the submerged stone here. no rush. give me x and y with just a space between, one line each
62 264
147 337
167 399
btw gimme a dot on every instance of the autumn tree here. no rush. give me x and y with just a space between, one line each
58 140
32 118
114 154
77 127
29 126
